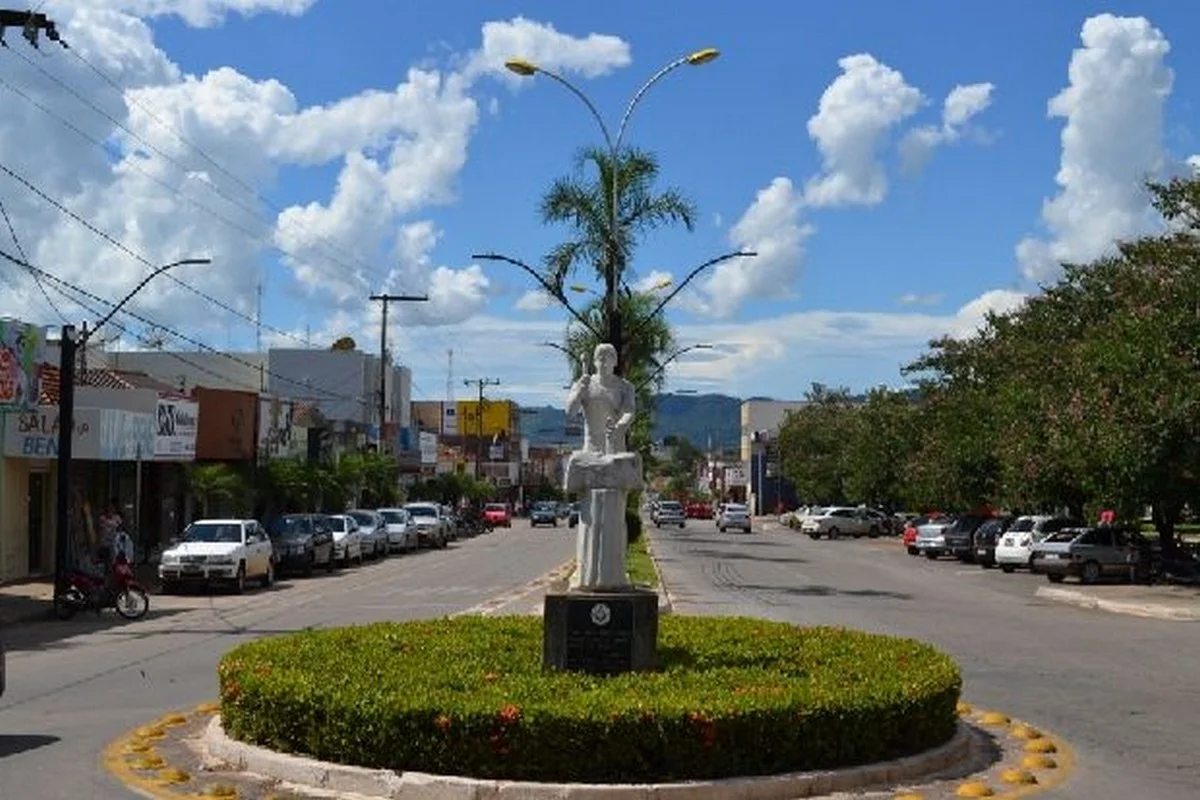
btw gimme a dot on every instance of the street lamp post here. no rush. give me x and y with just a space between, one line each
667 361
613 323
69 345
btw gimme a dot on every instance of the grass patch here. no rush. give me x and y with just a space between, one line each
467 696
639 564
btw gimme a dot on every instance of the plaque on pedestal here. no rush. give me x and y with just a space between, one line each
602 633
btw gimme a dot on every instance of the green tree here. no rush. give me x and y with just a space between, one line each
211 483
584 204
812 445
344 343
883 436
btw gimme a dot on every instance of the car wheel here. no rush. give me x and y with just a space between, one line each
1007 569
834 533
874 532
814 536
310 565
1091 572
269 576
1055 578
239 582
912 551
330 565
932 556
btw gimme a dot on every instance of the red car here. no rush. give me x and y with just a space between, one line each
497 515
698 511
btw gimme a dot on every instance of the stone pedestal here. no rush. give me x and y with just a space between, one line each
602 633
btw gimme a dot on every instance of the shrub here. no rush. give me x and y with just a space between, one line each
467 696
633 524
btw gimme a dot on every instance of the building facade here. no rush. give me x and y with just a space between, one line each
765 487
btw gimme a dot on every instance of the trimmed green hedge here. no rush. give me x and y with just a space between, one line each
633 525
467 696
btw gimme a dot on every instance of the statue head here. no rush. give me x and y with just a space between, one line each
605 358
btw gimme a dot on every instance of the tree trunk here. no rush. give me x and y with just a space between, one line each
1165 516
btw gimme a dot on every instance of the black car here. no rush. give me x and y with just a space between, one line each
986 537
573 515
301 543
544 514
960 537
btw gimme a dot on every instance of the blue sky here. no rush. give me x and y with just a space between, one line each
801 140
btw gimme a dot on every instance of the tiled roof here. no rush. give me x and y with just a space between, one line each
100 378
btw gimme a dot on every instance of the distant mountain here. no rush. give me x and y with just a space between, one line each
690 416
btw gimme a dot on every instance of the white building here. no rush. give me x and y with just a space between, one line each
763 417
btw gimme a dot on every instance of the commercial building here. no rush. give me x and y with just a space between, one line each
765 488
465 437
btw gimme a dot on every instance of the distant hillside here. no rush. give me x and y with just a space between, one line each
693 417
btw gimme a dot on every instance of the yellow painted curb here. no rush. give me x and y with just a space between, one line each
1040 746
1037 771
964 708
1023 731
132 761
994 718
1038 761
1022 776
973 789
909 796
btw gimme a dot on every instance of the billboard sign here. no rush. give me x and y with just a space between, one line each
22 350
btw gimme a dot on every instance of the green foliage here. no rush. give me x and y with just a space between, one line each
344 343
1086 396
360 479
215 483
633 525
468 696
451 487
639 565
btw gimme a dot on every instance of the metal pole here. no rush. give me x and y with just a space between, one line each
383 361
66 430
137 498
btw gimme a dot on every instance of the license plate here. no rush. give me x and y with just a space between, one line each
981 552
1064 556
192 570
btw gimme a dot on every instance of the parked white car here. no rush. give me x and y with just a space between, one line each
400 535
218 551
1015 548
841 521
347 541
372 532
429 523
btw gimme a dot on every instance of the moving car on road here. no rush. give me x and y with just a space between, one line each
734 515
497 515
218 551
669 512
543 514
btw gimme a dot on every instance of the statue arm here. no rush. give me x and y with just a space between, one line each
575 396
628 407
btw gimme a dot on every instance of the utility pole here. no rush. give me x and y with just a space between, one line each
386 299
481 384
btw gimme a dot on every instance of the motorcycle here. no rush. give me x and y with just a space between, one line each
120 592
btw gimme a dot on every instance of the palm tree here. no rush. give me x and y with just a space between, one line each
209 482
584 203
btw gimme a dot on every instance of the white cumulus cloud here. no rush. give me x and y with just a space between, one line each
856 114
772 227
962 104
540 43
534 300
1112 141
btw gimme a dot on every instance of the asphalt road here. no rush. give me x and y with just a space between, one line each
1121 690
75 686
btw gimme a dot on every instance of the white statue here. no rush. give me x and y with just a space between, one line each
604 471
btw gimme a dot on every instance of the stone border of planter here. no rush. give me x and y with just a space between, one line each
323 776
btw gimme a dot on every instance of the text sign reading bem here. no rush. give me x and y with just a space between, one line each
600 636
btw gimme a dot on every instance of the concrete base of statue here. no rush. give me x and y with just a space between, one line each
602 633
601 536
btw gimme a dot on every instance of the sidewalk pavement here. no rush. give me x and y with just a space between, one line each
1173 603
29 601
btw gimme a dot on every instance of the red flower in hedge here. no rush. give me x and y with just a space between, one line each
509 715
442 722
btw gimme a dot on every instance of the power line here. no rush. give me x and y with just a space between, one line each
313 236
260 239
481 384
136 256
12 231
176 334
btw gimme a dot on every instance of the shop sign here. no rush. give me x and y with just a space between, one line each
22 350
126 435
429 448
34 434
178 423
735 476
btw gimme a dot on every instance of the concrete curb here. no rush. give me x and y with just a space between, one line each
490 606
1145 610
665 604
376 783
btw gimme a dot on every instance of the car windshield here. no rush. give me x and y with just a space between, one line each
286 527
421 511
337 524
1063 537
213 532
363 518
671 505
546 507
496 507
732 509
393 517
1023 525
